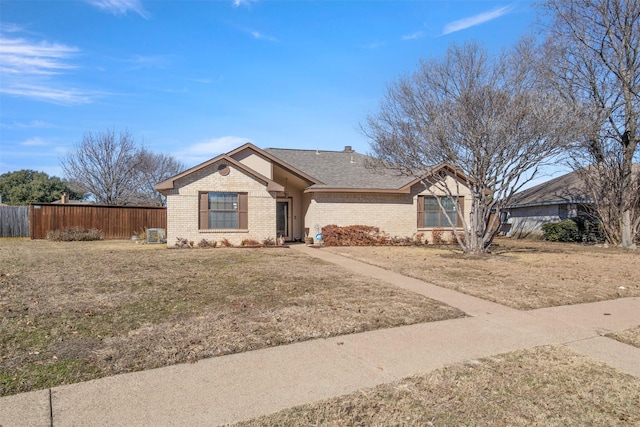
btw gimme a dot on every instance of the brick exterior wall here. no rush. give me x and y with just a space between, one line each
395 214
182 206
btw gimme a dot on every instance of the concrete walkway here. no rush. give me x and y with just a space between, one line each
242 386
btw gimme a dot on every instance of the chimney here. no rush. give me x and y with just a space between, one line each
64 199
348 149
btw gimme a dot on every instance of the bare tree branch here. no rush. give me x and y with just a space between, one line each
596 52
115 170
489 118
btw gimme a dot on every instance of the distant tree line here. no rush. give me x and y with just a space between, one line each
104 167
28 186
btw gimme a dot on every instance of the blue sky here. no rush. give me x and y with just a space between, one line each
197 78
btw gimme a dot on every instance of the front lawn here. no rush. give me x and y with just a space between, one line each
73 311
523 274
544 386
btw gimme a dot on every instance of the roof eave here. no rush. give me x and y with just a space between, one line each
357 190
552 202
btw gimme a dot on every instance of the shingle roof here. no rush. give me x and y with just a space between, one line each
340 169
569 188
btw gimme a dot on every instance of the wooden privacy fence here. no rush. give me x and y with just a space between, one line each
115 222
14 221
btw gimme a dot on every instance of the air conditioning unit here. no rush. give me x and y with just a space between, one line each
156 235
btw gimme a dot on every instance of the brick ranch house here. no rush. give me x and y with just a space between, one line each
253 193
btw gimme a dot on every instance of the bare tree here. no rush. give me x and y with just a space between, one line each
604 182
115 170
487 117
596 46
156 168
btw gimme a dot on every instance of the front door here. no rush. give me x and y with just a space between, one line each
283 216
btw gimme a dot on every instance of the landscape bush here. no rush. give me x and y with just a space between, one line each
141 235
250 242
74 235
418 239
563 231
579 229
590 231
353 235
437 237
182 243
269 241
361 235
205 244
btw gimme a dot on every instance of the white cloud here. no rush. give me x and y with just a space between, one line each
258 35
120 7
150 61
36 141
29 68
238 3
205 150
20 56
10 28
472 21
65 96
202 80
413 36
19 125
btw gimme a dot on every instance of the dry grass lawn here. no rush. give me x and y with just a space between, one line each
523 274
545 386
628 336
75 311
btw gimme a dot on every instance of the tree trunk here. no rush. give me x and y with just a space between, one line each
474 238
626 235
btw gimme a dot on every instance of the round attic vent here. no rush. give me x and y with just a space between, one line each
224 169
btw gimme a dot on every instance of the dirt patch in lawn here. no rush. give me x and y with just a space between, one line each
522 274
628 336
75 311
550 386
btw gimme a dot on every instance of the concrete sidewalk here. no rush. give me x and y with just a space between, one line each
242 386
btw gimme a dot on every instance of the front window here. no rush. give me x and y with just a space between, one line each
223 210
435 216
